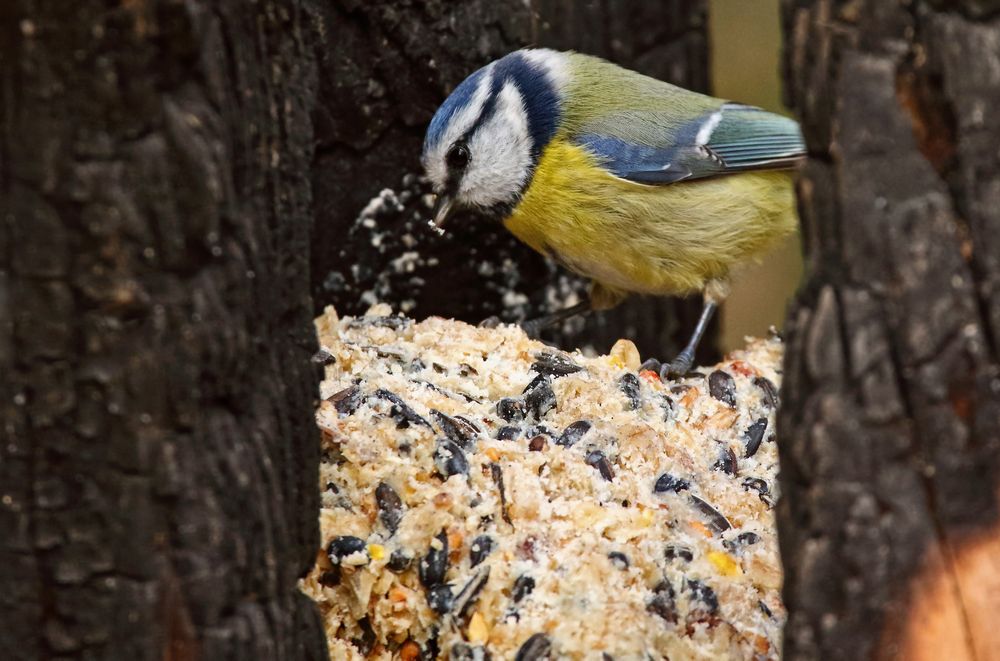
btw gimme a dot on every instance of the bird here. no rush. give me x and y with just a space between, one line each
641 186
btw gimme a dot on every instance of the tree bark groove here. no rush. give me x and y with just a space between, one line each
384 68
158 453
890 427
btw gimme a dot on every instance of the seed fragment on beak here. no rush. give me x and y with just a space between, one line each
441 211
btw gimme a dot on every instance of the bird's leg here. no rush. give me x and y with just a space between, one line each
715 292
682 363
532 327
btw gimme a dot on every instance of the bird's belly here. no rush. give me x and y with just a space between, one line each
667 239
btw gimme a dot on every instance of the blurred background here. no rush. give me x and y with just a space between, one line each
745 50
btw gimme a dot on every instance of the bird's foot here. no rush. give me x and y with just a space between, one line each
679 366
533 327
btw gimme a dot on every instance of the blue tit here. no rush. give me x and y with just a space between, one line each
637 184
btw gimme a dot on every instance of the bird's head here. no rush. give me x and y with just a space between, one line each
484 141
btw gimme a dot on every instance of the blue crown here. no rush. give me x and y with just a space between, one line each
541 100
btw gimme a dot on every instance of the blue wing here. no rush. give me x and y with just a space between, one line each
734 138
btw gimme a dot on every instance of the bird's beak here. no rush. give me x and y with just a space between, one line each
441 210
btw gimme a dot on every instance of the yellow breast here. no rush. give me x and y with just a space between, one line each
630 237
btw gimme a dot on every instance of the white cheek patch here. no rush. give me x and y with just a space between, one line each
501 153
462 121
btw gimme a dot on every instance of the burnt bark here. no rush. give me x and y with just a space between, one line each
157 450
384 68
890 427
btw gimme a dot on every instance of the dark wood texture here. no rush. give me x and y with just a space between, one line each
890 429
384 68
157 451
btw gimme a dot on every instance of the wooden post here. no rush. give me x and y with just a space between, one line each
890 429
158 456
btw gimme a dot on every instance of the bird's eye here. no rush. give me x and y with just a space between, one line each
458 156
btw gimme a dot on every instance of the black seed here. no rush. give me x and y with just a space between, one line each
668 482
716 520
323 357
555 365
748 538
629 385
399 561
347 400
760 486
395 323
508 433
672 551
433 566
450 459
390 507
598 460
481 547
541 399
511 409
652 364
709 602
331 577
343 546
393 355
430 651
770 396
573 433
523 586
439 368
497 474
537 444
726 462
332 488
535 382
764 609
535 648
440 599
466 652
667 405
400 411
469 423
722 387
663 602
367 640
754 435
680 389
618 559
458 431
468 595
535 430
606 657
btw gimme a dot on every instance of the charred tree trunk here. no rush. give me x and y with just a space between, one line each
890 430
157 450
384 69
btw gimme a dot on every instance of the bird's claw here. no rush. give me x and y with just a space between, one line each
679 366
533 327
